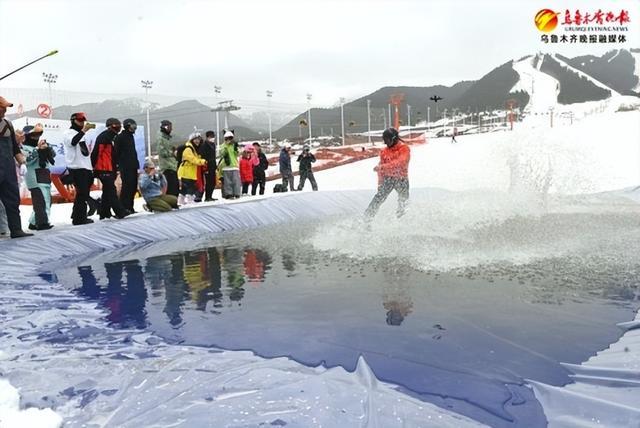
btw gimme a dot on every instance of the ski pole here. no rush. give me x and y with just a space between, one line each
26 65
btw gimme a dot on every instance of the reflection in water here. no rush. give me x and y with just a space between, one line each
396 296
124 301
438 335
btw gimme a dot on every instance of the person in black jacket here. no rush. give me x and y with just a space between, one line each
127 161
259 177
207 152
306 159
105 169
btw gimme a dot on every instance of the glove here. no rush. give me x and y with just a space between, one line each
23 170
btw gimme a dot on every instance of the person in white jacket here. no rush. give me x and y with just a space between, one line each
78 158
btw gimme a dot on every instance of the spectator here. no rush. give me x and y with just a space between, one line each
153 186
167 158
393 172
38 177
285 167
10 154
247 163
259 170
104 166
78 161
188 169
305 160
229 167
127 162
208 153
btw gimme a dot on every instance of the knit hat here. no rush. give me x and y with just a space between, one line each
228 134
149 164
194 135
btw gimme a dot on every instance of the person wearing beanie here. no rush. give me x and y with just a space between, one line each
229 167
284 161
10 154
104 167
127 161
208 153
306 172
40 156
77 157
188 169
167 157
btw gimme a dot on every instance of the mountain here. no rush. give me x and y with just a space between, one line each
355 112
615 69
574 88
184 115
583 78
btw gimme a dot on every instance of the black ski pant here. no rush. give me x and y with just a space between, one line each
259 180
110 199
129 179
303 177
10 196
172 182
400 185
82 180
39 207
209 181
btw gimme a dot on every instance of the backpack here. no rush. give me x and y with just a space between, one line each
279 188
179 151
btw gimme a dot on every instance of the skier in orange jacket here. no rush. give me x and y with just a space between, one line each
393 172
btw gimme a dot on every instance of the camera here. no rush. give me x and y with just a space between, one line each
155 177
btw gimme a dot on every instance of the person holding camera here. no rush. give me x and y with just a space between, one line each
127 161
38 177
167 157
153 186
77 157
305 160
104 165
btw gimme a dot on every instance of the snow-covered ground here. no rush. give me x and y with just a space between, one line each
598 153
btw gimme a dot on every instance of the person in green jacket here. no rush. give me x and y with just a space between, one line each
40 156
228 168
166 157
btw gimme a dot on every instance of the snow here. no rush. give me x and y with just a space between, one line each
11 415
542 88
614 56
636 71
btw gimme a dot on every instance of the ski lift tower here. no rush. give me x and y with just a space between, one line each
226 107
395 100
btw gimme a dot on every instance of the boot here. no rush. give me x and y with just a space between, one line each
20 234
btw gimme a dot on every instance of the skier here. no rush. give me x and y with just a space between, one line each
393 171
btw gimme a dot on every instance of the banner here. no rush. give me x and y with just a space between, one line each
53 133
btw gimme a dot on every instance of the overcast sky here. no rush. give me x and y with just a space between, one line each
327 48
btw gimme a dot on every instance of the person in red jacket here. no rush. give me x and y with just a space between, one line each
247 162
393 172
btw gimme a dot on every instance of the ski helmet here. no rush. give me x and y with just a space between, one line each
390 136
129 123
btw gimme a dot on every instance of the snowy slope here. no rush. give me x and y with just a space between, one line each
636 57
542 88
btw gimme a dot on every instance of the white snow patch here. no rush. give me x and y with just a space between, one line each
12 417
542 89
